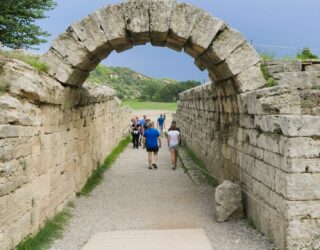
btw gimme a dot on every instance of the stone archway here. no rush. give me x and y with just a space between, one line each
253 133
261 138
182 27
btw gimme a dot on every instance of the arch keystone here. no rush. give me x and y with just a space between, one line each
113 24
181 24
136 15
160 15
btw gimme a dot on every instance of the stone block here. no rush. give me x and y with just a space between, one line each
26 82
280 66
74 52
182 20
228 201
274 100
241 59
312 67
302 165
223 45
301 80
136 14
92 36
61 70
299 210
297 125
14 112
113 24
10 131
303 234
250 79
204 30
301 147
160 15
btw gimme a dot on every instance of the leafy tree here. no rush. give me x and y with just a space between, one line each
306 54
17 22
150 88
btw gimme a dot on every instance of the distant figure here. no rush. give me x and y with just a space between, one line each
174 140
141 123
152 141
160 124
146 125
135 135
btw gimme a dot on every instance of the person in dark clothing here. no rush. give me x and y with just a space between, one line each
135 135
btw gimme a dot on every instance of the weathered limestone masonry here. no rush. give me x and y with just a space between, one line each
51 138
267 140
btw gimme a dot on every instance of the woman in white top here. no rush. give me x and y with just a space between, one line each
173 143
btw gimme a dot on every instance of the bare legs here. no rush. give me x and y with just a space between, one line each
152 160
174 158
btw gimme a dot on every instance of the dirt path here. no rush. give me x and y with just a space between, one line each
134 198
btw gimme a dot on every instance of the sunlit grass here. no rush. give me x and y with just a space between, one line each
52 230
32 60
139 105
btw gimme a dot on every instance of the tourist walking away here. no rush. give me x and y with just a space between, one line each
160 124
174 141
152 142
174 124
135 135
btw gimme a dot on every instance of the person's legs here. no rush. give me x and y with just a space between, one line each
136 141
150 159
175 157
155 158
172 156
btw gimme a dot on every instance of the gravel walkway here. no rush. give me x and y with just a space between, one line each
134 198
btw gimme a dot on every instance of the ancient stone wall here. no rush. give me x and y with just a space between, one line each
267 141
51 138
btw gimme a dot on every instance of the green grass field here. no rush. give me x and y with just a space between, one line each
137 105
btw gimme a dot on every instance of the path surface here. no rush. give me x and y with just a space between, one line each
132 197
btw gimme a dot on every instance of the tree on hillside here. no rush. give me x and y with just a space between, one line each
17 22
306 54
150 88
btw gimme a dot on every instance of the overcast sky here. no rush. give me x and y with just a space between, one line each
284 23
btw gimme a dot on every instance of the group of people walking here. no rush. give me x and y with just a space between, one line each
145 134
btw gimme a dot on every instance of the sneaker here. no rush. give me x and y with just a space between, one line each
155 166
150 167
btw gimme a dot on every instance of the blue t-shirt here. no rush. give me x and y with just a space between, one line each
141 122
161 121
151 136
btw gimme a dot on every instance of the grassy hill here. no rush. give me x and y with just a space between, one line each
128 83
132 85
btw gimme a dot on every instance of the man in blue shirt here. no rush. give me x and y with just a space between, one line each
152 141
161 124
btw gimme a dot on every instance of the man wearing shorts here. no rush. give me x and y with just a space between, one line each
152 141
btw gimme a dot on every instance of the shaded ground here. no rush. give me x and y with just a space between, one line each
134 198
